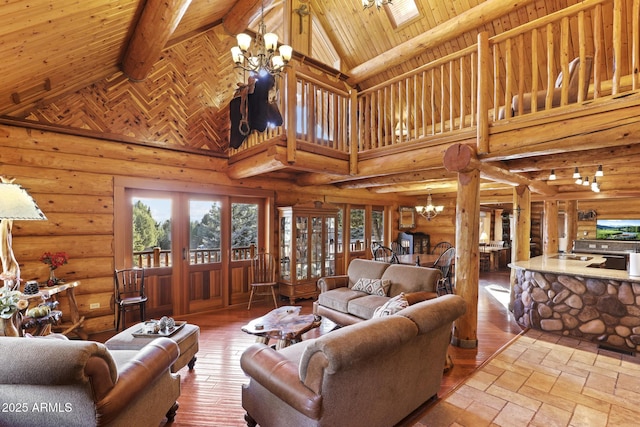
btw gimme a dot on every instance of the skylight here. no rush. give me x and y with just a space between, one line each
401 11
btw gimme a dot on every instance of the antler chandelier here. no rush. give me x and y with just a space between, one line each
429 210
377 3
263 54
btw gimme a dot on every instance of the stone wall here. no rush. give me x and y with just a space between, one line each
601 310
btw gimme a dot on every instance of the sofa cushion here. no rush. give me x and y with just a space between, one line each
365 307
338 299
365 268
411 278
392 306
372 286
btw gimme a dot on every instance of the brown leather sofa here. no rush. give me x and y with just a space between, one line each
61 382
373 373
341 304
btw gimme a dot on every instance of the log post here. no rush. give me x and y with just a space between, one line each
550 228
457 159
522 236
571 209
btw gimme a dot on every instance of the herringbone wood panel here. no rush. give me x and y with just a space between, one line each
183 102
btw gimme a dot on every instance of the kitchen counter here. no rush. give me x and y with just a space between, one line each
561 294
573 265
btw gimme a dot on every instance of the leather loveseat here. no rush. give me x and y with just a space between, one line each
60 382
373 373
343 305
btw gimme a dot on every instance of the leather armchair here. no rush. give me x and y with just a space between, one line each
81 383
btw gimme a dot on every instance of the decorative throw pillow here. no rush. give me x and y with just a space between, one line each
372 286
392 306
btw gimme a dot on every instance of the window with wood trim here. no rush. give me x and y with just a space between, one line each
401 12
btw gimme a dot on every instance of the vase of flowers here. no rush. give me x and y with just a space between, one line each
11 304
54 260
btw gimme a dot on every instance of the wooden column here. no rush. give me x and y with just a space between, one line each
571 209
521 250
457 159
550 228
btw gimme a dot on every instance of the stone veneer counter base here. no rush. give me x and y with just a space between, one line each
566 297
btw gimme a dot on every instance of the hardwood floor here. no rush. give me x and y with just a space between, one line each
210 394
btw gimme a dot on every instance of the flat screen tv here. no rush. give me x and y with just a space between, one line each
618 229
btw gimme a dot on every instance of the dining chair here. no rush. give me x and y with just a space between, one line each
262 277
384 253
445 264
129 293
441 247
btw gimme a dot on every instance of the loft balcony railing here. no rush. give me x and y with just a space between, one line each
472 89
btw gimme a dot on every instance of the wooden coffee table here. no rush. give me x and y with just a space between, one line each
284 324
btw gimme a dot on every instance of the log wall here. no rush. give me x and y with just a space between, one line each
72 180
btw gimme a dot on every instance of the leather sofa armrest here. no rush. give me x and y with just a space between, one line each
280 377
331 282
152 361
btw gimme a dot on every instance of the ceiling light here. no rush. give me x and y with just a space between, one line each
600 172
263 55
576 174
586 181
579 180
377 3
594 185
429 211
552 176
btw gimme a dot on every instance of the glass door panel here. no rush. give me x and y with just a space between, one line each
204 256
302 243
316 247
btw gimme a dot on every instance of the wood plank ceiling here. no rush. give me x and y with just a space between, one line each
70 53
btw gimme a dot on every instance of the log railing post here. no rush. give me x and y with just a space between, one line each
353 132
291 88
617 45
484 92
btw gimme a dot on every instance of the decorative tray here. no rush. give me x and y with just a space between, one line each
167 332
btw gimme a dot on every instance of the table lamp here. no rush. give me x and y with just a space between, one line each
15 203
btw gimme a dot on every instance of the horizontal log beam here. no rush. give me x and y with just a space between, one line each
462 158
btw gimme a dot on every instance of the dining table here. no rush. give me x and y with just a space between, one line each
425 260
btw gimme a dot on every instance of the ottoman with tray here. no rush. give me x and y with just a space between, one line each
185 335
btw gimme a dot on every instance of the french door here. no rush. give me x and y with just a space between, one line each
195 247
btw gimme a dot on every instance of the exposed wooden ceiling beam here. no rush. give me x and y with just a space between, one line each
242 14
157 23
467 21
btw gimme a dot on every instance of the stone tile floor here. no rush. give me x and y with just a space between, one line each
545 380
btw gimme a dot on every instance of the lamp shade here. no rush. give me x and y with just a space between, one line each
16 203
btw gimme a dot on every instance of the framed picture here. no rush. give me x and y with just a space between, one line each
407 217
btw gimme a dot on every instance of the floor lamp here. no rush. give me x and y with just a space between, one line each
15 203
